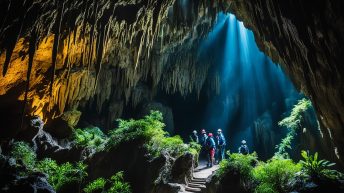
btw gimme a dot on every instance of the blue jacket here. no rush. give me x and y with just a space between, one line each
203 140
221 141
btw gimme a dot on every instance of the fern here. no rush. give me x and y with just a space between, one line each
315 167
293 123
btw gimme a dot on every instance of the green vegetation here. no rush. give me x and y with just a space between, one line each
96 185
150 130
59 175
90 137
275 175
238 163
317 168
22 151
116 184
293 123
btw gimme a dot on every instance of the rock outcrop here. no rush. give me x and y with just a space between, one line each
307 40
15 178
59 56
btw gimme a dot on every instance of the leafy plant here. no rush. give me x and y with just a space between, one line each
59 175
315 167
293 123
150 130
90 137
96 185
264 188
115 184
118 184
22 151
238 163
275 174
146 129
174 145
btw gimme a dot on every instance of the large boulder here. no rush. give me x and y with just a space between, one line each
15 178
32 125
63 126
182 169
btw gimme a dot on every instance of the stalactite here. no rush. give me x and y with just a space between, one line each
32 49
60 7
95 38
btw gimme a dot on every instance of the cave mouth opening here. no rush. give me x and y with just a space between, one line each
254 94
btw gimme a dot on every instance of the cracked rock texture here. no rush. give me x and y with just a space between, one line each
307 39
95 55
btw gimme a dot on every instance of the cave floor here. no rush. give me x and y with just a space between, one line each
200 175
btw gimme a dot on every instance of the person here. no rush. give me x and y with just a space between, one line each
194 137
243 149
202 142
203 138
210 146
221 144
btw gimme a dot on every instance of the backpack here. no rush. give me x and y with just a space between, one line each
243 150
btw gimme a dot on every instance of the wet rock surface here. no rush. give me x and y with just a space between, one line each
15 178
307 40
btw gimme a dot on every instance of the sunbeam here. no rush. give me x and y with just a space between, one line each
251 83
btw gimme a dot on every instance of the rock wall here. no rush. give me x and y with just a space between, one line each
59 56
307 39
89 55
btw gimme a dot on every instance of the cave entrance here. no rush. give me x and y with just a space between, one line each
254 94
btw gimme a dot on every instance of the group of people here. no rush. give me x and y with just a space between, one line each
215 147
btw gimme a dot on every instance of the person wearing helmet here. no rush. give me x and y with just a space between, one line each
203 138
221 144
194 137
243 149
202 142
210 147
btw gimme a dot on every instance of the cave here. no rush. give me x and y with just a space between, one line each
171 96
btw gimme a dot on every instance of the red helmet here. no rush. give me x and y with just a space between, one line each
203 131
210 135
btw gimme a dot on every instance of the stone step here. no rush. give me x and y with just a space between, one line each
190 189
192 185
199 179
199 183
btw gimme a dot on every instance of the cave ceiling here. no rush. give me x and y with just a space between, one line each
63 55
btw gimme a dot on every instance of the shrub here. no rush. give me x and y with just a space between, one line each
150 130
59 175
90 137
146 129
238 163
173 145
317 168
118 185
275 174
96 185
115 184
264 188
22 151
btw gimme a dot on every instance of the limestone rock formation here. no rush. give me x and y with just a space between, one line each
307 40
12 179
59 56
